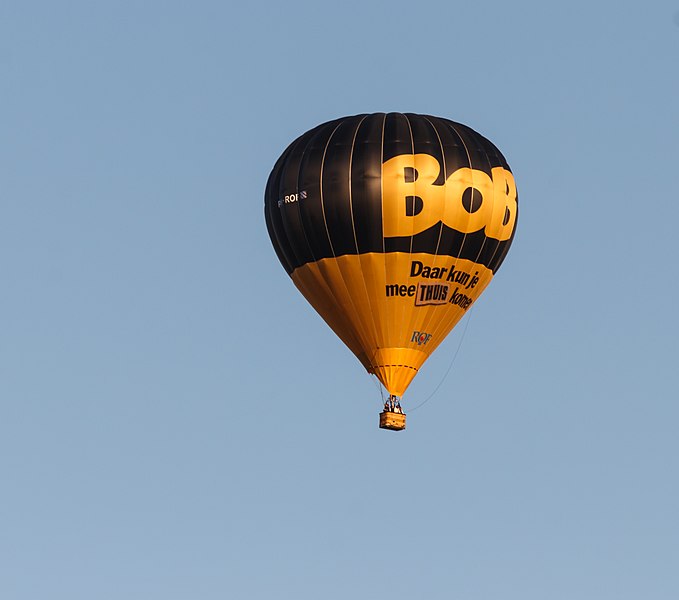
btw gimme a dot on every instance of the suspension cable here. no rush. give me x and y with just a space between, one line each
450 366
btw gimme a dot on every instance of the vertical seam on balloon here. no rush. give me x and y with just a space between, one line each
384 245
298 203
351 197
359 338
325 220
508 242
485 236
412 150
353 225
505 166
444 323
443 166
469 161
428 320
412 234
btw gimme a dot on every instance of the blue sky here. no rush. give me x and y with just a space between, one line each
176 422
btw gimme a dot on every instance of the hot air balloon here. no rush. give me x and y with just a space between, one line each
391 226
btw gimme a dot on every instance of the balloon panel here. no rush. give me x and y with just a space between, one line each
392 321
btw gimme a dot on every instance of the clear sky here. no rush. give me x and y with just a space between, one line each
176 422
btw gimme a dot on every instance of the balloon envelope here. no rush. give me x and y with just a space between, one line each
391 226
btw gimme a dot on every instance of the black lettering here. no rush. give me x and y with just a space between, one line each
473 282
460 299
461 277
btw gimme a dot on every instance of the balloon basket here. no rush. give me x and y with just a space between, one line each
392 420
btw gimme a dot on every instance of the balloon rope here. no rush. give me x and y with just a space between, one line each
452 362
379 387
